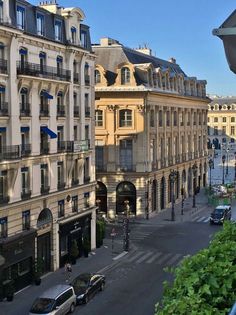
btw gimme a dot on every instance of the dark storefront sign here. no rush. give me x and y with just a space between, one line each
18 252
73 230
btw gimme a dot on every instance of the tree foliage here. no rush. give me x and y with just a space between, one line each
205 283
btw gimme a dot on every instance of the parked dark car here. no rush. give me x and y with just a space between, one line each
86 285
220 214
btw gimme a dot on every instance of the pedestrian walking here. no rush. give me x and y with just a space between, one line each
68 271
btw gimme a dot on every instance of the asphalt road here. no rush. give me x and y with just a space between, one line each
134 284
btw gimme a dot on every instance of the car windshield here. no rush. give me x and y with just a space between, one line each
80 283
42 306
219 211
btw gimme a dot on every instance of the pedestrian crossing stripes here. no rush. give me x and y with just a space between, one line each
149 257
200 219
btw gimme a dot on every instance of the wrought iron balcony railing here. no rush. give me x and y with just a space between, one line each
4 199
3 66
61 185
44 110
25 109
87 111
4 109
76 78
126 168
25 149
44 148
26 193
86 179
87 79
61 110
36 70
10 152
45 189
76 111
74 182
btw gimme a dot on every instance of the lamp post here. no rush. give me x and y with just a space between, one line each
173 176
211 165
234 168
227 165
194 169
126 227
213 155
223 176
182 203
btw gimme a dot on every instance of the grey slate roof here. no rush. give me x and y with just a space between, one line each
111 56
224 100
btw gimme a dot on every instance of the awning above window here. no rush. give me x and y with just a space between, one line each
24 129
47 95
23 51
49 132
59 59
3 129
42 55
2 89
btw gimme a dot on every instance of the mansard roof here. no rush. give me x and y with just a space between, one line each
223 100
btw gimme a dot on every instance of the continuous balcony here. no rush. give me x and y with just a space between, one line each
44 189
4 199
61 111
44 148
36 70
10 152
3 66
25 149
73 146
25 194
86 179
126 168
4 109
61 185
74 182
25 110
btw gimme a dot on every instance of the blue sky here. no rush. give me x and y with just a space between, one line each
180 29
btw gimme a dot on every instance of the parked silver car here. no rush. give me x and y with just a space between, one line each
58 300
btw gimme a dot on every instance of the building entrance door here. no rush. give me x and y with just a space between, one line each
44 251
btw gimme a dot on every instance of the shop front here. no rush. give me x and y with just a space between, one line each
76 230
18 253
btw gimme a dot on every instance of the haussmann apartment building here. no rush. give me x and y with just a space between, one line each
47 156
150 129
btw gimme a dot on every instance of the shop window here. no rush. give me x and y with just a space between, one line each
24 266
64 245
26 220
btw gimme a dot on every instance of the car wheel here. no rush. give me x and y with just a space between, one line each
102 286
72 308
86 299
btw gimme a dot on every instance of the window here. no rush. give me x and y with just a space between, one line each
1 11
61 208
44 178
125 118
60 175
232 130
167 118
24 266
152 118
97 76
160 118
25 181
208 119
83 39
86 170
23 57
215 119
59 65
58 30
223 119
74 203
24 106
232 119
3 107
98 118
126 154
223 130
125 75
215 131
86 200
40 24
20 17
42 61
2 51
26 220
3 227
73 35
99 152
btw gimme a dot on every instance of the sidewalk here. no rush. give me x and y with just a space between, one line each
102 258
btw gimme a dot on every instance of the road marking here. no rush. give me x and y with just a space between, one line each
173 259
207 220
120 255
135 256
144 257
149 261
165 257
201 219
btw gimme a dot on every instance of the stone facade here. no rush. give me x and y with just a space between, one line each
47 163
150 122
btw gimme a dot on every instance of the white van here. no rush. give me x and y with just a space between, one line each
58 300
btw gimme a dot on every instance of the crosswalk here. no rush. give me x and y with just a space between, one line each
199 219
154 257
139 235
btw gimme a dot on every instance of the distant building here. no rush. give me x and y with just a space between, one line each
150 119
221 123
47 172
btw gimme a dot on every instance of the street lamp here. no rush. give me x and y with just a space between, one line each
227 165
182 203
194 168
213 149
234 168
211 165
223 162
126 227
173 177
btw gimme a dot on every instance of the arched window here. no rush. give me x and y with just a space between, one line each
125 75
73 35
97 76
125 118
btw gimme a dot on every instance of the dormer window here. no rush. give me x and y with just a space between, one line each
83 38
58 30
20 17
73 35
97 76
40 24
125 75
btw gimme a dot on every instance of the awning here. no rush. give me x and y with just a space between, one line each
47 95
73 29
49 132
2 89
3 129
59 59
24 129
23 51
